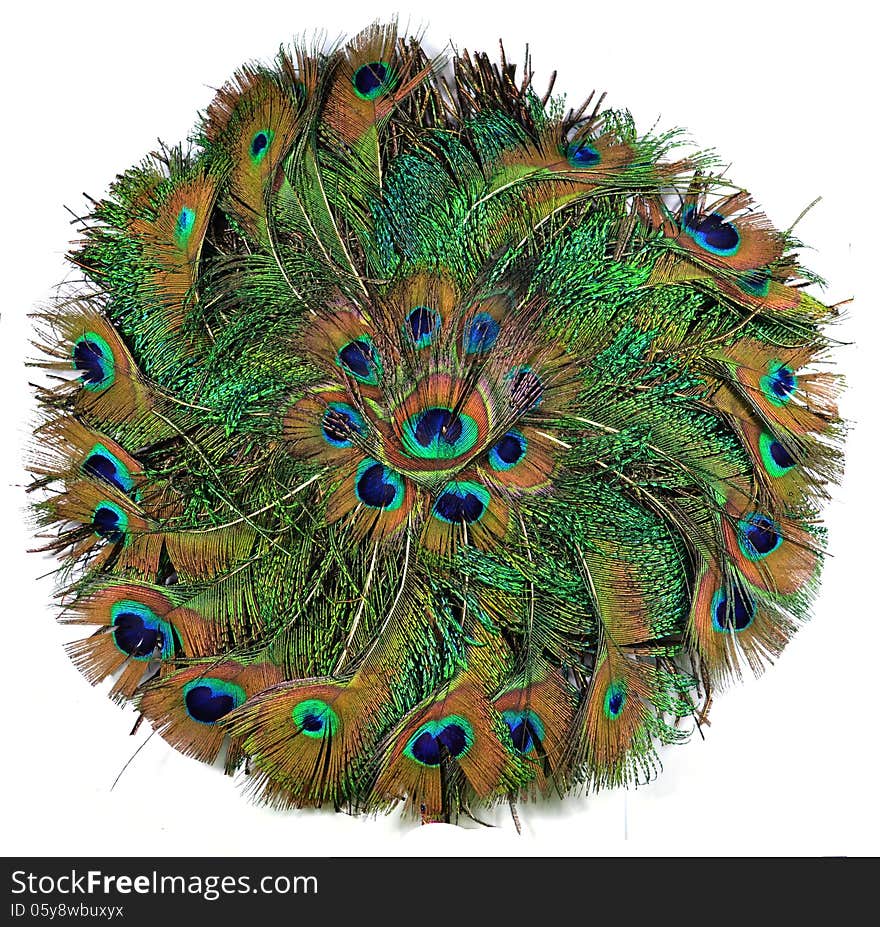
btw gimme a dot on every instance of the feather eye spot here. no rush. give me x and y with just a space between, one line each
378 487
439 433
759 536
755 283
780 456
93 357
315 718
508 452
260 145
340 423
713 233
526 729
421 325
360 359
109 522
615 699
481 333
581 154
186 220
452 736
101 464
732 613
777 460
372 80
779 384
462 502
207 700
139 633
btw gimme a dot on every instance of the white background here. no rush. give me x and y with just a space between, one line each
789 764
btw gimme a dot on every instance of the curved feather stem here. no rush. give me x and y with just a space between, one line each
357 617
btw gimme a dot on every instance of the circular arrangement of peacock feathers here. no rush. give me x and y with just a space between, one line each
414 438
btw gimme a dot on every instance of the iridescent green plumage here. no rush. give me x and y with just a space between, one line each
454 443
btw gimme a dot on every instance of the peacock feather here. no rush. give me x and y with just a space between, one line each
416 439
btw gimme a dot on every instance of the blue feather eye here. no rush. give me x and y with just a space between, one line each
779 384
481 333
759 536
207 700
102 464
377 486
421 325
462 502
372 80
139 633
439 433
260 145
93 357
508 452
776 458
713 232
109 521
315 718
340 423
526 729
360 359
734 613
452 734
615 699
581 154
186 220
780 456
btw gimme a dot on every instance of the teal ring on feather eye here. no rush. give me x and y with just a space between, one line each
101 463
138 631
360 359
186 220
93 357
372 80
208 699
731 618
339 422
453 734
421 326
109 521
461 502
758 535
315 718
779 384
615 699
438 433
714 233
259 146
378 487
776 459
508 451
526 729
